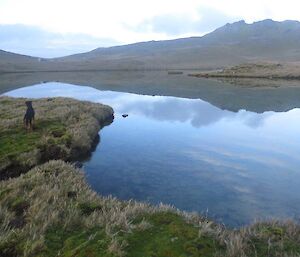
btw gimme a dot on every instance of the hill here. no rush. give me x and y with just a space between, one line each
229 45
16 62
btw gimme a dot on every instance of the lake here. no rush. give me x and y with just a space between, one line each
219 149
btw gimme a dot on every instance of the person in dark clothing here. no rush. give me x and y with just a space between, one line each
29 116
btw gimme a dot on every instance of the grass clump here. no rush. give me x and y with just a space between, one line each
64 129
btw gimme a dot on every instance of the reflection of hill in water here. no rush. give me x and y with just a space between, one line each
223 95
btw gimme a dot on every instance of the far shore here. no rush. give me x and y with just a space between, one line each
171 71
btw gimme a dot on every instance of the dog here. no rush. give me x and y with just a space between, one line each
29 116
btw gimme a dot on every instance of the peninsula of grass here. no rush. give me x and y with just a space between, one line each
271 71
63 129
52 211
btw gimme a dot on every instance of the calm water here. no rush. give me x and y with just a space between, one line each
237 166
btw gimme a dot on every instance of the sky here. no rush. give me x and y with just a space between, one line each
51 28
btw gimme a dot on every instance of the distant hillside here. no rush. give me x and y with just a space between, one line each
10 61
231 44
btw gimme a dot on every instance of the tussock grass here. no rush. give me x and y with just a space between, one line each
64 129
51 206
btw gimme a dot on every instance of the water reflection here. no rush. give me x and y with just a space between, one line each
238 165
258 97
199 113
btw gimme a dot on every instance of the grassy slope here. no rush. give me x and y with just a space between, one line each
51 211
64 129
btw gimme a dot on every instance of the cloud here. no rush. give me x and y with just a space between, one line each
137 20
34 41
204 20
78 25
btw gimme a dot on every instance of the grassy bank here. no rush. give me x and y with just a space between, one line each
63 129
52 211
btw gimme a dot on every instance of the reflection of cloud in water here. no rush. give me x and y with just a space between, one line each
234 160
196 111
210 159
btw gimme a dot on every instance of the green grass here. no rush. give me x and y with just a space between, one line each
19 140
170 236
79 242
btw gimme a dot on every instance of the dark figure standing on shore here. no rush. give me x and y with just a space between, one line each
29 116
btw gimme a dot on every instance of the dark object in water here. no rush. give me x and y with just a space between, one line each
175 72
124 115
78 165
29 115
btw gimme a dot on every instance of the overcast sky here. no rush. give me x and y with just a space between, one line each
51 28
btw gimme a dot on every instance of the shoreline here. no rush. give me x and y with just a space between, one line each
275 77
3 72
